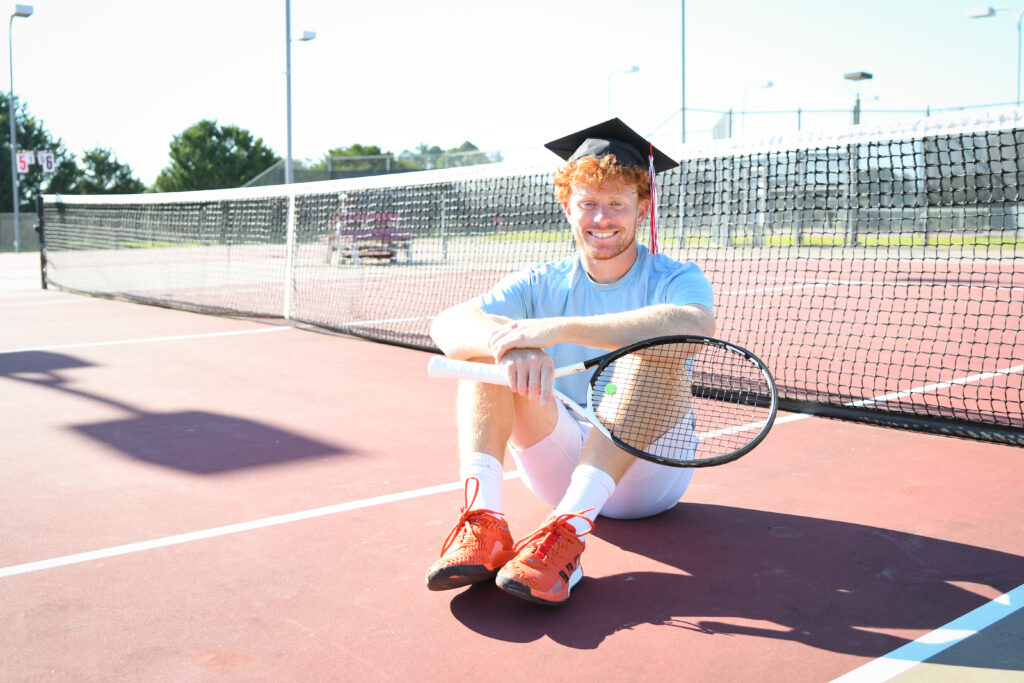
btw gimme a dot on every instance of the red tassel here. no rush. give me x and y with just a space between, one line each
654 203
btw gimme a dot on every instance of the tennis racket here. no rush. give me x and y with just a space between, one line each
684 401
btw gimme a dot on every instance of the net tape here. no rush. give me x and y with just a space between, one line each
877 271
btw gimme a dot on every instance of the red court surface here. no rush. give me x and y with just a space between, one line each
191 498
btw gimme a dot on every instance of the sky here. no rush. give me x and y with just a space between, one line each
129 75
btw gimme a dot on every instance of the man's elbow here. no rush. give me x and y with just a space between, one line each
698 320
710 326
461 331
441 329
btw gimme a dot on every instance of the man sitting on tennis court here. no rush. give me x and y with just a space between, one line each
611 292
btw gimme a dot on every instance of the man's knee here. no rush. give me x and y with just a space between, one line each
531 421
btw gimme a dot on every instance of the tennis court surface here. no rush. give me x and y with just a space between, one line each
250 496
191 497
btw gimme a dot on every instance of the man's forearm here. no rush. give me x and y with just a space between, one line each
463 331
614 330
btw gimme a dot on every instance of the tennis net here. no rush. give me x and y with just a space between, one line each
877 271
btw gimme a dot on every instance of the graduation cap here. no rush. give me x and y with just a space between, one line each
612 137
630 149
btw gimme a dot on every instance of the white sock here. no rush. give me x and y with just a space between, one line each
490 474
589 489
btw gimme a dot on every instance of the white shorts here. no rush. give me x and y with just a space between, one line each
547 466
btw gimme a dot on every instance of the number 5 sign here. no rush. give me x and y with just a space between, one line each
25 159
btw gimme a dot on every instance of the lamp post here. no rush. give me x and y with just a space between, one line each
289 171
857 77
983 12
743 111
631 70
23 11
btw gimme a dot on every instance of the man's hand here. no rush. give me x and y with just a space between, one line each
530 373
531 333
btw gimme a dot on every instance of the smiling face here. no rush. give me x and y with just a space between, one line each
604 220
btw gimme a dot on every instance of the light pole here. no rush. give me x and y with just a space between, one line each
857 77
289 172
682 41
743 111
631 70
23 11
983 12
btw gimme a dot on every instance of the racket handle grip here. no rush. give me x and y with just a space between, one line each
441 366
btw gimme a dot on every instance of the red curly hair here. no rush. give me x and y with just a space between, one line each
597 172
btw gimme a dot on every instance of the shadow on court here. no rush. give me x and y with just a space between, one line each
826 584
195 441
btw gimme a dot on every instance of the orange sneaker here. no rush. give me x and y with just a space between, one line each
476 548
547 562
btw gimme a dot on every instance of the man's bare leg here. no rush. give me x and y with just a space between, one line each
490 416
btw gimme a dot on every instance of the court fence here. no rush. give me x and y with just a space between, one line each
28 237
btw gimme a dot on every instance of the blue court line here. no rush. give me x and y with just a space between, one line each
930 644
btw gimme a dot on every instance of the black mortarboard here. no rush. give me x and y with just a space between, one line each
612 137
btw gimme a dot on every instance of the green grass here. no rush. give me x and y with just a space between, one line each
140 244
812 240
532 236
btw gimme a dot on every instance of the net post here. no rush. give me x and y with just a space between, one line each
444 226
41 229
853 198
682 204
802 214
289 256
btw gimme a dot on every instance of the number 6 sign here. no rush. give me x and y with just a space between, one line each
47 161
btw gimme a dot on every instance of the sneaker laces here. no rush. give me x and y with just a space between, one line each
466 515
544 538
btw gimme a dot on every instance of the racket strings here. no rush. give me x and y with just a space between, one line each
681 401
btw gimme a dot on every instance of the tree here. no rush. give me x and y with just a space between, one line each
354 160
363 160
426 157
207 156
31 137
468 154
102 173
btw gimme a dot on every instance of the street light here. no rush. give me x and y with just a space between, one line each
856 77
289 172
631 70
23 11
743 111
983 12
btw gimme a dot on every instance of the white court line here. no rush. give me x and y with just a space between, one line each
825 283
910 392
927 646
51 303
145 340
308 514
881 669
230 529
938 385
385 320
782 288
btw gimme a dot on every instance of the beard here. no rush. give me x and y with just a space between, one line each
604 250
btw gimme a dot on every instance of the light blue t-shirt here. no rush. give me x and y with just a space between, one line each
563 288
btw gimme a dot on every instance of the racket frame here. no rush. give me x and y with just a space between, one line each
440 366
771 398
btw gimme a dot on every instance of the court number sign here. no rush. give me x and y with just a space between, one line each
46 160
